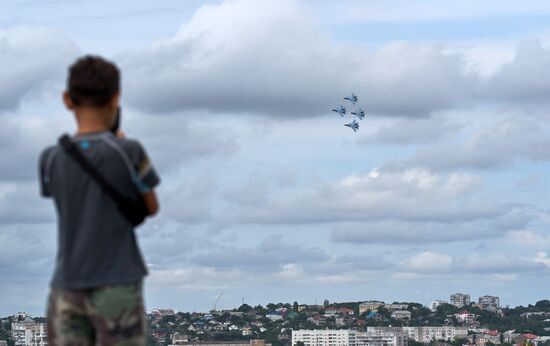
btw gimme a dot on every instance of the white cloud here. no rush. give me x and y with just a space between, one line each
524 79
31 57
405 233
399 11
530 238
412 131
270 255
21 203
497 139
408 195
173 141
428 262
497 264
238 57
189 201
513 277
542 257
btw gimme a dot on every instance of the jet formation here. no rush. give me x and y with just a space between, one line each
359 113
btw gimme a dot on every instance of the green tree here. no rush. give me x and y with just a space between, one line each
244 308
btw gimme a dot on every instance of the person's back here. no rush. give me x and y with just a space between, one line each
96 289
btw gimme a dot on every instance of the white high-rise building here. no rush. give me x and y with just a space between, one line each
382 338
326 337
460 299
427 333
489 301
29 333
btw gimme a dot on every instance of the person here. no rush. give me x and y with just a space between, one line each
96 293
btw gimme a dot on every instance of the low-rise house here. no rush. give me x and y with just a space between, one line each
247 330
331 311
542 340
466 318
163 312
339 321
346 311
393 307
374 315
372 305
490 337
510 335
401 315
292 314
318 320
274 315
525 339
179 339
527 315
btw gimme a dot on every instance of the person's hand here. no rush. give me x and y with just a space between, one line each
120 134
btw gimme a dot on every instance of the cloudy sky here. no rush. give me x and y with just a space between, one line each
265 195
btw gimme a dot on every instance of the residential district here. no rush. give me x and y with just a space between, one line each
456 322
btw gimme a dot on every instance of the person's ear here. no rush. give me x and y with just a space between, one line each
115 100
67 100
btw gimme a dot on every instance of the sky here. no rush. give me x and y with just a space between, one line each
265 196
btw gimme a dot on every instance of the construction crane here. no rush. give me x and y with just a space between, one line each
216 303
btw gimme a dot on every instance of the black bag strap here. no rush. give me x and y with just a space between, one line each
72 149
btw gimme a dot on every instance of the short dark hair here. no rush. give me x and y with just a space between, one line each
92 81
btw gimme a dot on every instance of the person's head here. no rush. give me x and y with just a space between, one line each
93 87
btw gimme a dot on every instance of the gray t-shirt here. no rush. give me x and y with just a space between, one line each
96 244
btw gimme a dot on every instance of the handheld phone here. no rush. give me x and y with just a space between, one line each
116 124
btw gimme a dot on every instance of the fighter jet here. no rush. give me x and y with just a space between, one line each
354 125
352 98
341 110
359 113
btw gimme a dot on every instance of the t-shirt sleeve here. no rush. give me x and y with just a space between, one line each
43 174
147 174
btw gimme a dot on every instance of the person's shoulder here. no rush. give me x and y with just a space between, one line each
132 148
48 153
129 142
130 145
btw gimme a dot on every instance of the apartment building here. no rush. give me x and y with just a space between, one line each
489 301
427 333
380 338
460 299
326 337
27 332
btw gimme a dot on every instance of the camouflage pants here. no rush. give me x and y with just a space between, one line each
107 315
